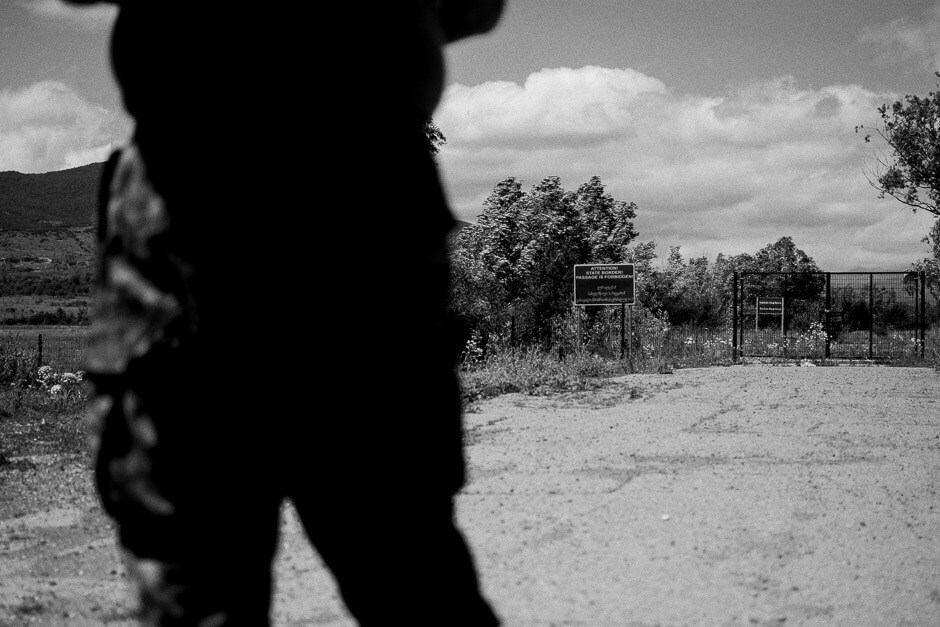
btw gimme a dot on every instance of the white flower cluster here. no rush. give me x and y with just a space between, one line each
57 383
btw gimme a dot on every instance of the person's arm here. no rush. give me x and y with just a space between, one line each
463 18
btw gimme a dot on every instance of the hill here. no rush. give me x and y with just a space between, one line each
50 201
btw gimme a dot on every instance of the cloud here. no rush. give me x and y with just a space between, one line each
557 107
48 126
727 173
91 17
908 41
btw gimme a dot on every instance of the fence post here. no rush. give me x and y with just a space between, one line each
40 349
623 329
923 312
828 311
741 304
577 311
630 338
871 315
734 320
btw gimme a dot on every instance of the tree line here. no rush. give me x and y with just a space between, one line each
72 284
513 270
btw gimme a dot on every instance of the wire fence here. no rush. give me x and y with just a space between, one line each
832 315
64 350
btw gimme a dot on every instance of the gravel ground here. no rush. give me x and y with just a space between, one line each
740 495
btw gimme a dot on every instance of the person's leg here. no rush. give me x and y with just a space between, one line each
374 481
197 512
396 560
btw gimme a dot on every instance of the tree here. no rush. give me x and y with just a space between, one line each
609 222
912 129
690 292
930 266
434 136
912 175
515 265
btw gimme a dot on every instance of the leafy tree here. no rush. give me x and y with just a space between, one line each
609 222
930 266
515 265
800 290
912 173
435 137
689 292
784 256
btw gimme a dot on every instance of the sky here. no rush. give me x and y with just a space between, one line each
730 123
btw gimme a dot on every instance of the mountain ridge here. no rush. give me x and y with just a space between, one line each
49 201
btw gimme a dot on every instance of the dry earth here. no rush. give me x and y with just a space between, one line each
742 495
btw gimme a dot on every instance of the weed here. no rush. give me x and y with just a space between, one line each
532 371
18 365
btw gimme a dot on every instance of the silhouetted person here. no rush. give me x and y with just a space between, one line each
270 309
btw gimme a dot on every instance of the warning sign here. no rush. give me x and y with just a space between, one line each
769 305
604 284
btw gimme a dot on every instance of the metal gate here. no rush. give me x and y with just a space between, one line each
829 315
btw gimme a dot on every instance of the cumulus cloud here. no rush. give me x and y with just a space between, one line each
91 17
909 41
557 107
48 126
724 173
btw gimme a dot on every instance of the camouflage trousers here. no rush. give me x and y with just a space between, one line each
198 436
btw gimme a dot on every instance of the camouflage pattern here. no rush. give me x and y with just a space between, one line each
143 335
132 314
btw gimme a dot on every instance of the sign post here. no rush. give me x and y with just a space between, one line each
606 284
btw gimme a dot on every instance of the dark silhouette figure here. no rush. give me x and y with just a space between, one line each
270 309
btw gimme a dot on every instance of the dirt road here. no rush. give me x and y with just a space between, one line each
723 496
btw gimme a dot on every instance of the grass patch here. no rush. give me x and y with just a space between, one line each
41 410
534 371
34 422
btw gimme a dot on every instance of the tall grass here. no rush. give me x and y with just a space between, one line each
531 371
18 364
651 349
63 348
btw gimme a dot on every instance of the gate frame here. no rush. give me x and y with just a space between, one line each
738 299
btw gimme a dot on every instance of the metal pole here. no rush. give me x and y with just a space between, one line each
623 328
828 311
630 343
741 327
578 313
871 314
923 311
734 320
